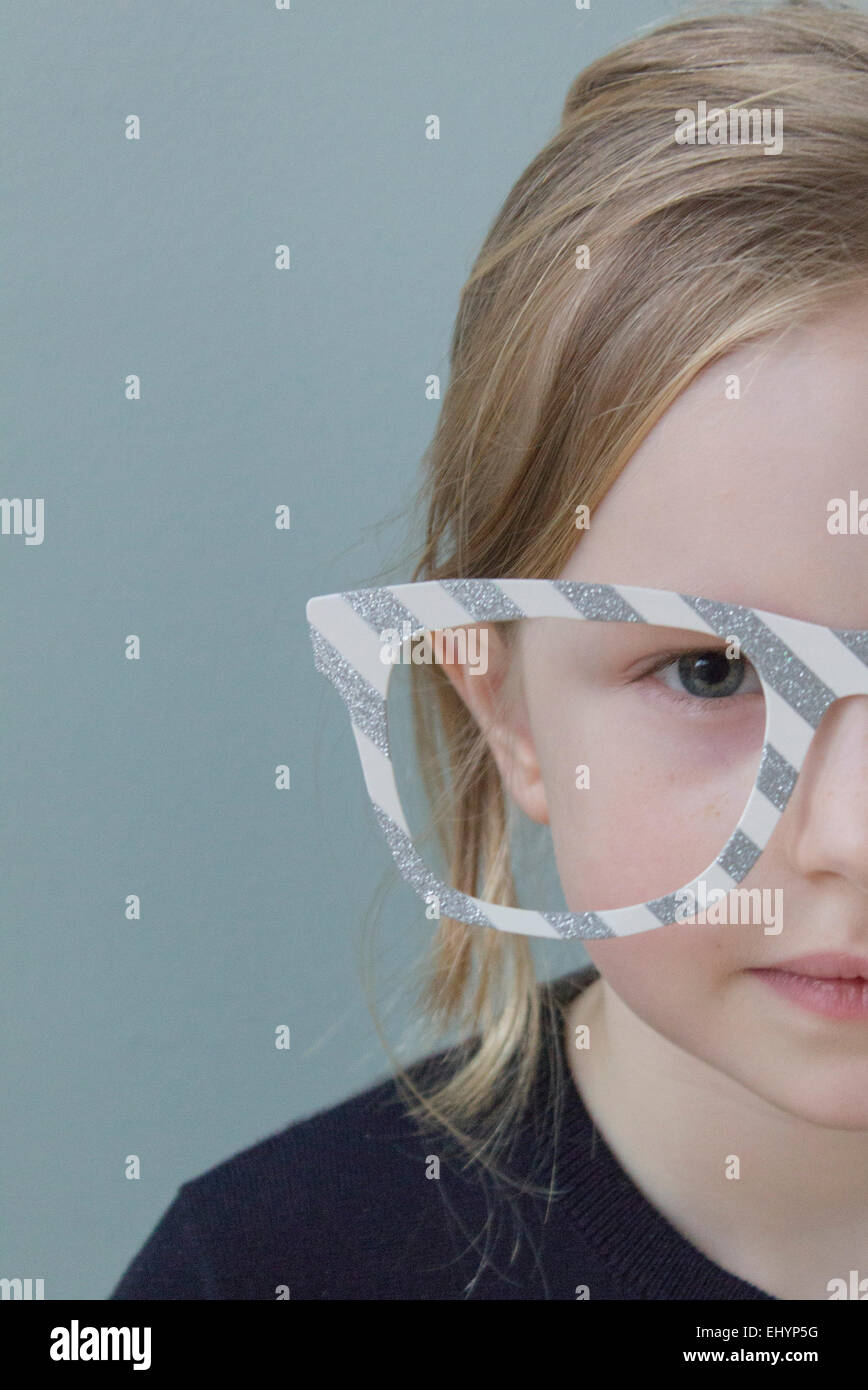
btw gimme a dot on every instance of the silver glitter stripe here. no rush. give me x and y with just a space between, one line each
483 598
413 869
665 909
776 777
739 855
581 925
598 601
791 678
366 705
856 640
380 608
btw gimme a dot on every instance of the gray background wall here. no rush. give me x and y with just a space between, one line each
258 387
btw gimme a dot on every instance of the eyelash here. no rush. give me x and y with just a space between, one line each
683 697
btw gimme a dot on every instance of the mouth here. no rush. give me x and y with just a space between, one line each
831 983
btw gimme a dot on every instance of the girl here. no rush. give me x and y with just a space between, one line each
662 340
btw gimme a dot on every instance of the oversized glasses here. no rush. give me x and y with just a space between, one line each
676 769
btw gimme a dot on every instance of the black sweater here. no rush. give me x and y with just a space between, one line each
343 1205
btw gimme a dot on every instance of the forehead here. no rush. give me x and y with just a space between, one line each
729 496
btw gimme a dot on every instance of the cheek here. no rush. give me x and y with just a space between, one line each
668 976
661 802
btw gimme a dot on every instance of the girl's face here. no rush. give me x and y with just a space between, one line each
726 498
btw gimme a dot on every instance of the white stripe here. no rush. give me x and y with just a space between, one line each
516 919
760 818
538 600
355 639
786 729
666 610
627 921
431 603
716 876
822 652
380 779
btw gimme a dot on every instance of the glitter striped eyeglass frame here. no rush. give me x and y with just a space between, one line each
803 668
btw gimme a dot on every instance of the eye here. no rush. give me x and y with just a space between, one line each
707 675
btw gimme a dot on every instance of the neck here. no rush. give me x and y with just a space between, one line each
796 1215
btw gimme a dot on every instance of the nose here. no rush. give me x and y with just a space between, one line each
828 810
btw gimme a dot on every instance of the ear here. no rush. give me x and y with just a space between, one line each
493 691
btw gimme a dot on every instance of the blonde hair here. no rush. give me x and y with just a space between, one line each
559 372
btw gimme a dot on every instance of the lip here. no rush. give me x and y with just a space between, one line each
833 984
826 965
